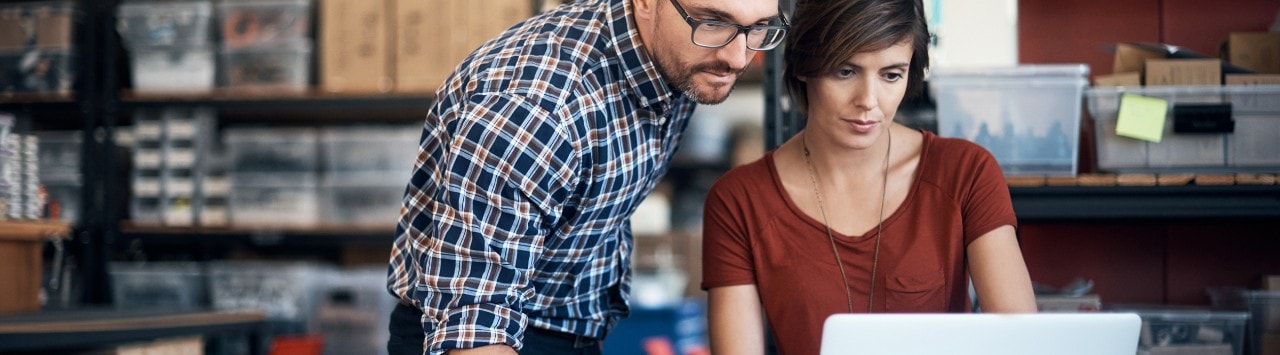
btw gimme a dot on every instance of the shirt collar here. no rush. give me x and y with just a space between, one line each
650 89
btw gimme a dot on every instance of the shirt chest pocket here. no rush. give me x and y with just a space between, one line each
920 292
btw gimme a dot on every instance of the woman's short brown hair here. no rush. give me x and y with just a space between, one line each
826 33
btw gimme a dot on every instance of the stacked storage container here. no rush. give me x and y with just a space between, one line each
20 196
365 172
1191 332
1250 146
169 42
36 51
59 159
273 176
174 180
265 44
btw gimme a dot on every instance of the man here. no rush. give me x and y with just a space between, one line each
515 233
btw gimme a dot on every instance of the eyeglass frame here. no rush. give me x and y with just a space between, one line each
742 30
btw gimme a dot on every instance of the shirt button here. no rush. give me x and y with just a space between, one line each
662 120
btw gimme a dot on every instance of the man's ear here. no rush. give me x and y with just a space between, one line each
803 79
646 10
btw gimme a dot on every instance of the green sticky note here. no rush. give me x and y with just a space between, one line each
1141 117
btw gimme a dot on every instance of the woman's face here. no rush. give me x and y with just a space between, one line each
855 103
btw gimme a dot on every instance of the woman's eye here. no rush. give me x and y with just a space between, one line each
844 73
893 76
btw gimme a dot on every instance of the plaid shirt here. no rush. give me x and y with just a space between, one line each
533 157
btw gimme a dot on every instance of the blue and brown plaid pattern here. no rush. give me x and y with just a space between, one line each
534 155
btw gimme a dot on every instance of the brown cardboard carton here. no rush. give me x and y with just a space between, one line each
1131 58
353 46
425 32
1119 79
1269 344
1253 79
1269 282
1166 72
1256 51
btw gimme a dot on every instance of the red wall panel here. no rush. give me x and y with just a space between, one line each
1080 31
1229 253
1124 260
1203 25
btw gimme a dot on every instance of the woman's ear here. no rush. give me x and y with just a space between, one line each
803 79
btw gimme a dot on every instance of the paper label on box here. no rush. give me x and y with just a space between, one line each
1141 117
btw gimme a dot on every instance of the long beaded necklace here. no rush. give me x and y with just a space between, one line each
875 258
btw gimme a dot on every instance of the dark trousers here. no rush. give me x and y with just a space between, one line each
407 337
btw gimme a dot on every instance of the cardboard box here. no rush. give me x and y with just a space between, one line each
1269 344
354 41
424 54
1119 79
1253 79
1269 282
1131 58
1167 72
172 346
434 36
1256 51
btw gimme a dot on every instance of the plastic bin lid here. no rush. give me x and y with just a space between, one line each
1026 70
133 8
1187 315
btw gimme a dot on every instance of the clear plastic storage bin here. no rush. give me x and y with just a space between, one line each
285 291
363 202
1191 331
175 285
1251 146
1264 321
370 151
144 24
272 150
1027 116
245 23
282 67
274 200
37 70
173 69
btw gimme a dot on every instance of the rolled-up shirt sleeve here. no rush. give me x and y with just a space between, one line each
485 194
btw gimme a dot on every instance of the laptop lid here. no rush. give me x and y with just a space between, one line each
987 334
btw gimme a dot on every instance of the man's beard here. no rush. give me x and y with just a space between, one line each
683 80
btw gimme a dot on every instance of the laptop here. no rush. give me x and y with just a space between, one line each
986 334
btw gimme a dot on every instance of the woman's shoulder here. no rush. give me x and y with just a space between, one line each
946 151
755 172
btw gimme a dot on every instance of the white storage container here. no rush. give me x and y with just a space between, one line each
173 285
173 68
284 291
370 152
274 200
144 24
272 150
363 202
1251 146
1027 116
281 67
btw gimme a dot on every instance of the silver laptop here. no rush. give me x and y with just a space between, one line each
986 334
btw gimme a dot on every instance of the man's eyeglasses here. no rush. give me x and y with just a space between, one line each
716 34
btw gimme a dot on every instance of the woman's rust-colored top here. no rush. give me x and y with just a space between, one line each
753 233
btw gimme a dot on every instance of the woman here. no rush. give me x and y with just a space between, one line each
856 213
